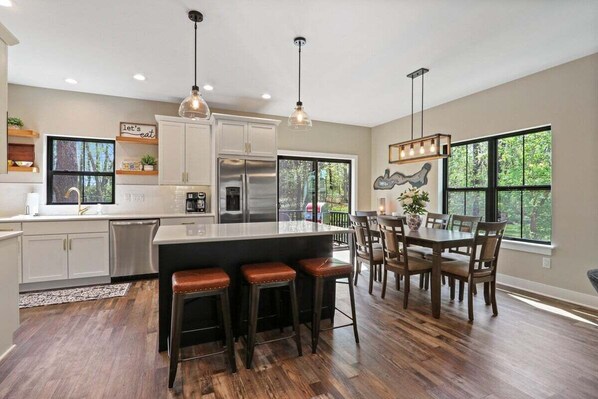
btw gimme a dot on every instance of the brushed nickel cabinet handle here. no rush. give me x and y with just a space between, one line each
188 223
70 244
64 244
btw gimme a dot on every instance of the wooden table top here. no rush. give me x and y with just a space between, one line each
426 236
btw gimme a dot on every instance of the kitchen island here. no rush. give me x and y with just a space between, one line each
9 289
229 246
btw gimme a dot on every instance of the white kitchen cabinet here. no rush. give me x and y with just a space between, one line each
6 39
45 258
88 255
16 227
185 151
245 136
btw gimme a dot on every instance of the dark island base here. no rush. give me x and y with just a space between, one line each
230 255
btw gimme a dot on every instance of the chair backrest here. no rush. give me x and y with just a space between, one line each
363 235
466 224
437 220
371 215
392 235
486 246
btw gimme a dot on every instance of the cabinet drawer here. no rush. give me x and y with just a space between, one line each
10 227
90 226
187 221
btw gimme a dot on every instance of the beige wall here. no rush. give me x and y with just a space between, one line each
565 97
71 113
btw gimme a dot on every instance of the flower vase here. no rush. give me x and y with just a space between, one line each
414 222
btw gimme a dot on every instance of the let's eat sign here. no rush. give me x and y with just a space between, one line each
139 130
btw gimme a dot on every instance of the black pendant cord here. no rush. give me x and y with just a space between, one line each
195 56
411 108
422 124
299 73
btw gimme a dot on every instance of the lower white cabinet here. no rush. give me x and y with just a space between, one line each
88 255
64 256
45 258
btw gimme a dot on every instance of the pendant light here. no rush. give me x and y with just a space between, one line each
435 146
299 120
194 106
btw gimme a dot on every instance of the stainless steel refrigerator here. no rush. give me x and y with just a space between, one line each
246 191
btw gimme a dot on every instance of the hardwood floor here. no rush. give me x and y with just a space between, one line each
107 349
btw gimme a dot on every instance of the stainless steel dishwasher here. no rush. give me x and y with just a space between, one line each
131 250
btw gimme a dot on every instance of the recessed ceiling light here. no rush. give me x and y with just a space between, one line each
70 81
208 87
266 96
5 3
139 76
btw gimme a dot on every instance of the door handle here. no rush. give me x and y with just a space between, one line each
64 244
188 223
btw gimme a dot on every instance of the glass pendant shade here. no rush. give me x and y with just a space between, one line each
194 106
299 120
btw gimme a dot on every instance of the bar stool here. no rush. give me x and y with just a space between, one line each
190 284
322 269
263 276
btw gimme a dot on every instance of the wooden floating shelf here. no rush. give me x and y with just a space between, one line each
135 140
30 169
23 133
137 172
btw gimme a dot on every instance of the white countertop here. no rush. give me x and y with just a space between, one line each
58 218
5 235
241 231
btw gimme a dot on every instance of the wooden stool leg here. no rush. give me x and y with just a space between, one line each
353 313
176 324
317 313
493 297
254 300
461 290
220 320
278 309
228 332
295 311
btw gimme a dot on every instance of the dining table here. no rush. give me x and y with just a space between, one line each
438 240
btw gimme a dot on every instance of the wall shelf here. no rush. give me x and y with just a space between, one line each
136 140
23 133
138 172
30 169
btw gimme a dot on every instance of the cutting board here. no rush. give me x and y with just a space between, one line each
21 152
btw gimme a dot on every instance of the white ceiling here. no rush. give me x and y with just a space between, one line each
354 65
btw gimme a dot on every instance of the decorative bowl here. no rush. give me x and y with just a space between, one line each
24 164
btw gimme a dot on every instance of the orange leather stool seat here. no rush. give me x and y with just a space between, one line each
325 267
269 272
196 280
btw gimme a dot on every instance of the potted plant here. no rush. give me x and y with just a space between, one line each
15 123
148 161
414 204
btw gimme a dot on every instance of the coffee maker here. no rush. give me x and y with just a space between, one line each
195 202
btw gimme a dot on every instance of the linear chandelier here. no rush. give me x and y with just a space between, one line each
435 146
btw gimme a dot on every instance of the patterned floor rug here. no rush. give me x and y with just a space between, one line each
54 297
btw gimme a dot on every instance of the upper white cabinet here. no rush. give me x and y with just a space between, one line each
185 151
246 137
6 39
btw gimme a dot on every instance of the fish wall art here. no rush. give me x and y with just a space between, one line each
417 180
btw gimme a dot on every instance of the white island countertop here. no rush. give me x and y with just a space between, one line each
106 216
242 231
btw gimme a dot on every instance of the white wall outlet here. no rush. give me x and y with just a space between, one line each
128 197
546 263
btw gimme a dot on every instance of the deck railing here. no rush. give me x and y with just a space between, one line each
333 218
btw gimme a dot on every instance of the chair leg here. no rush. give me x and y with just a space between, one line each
406 291
475 290
384 278
353 313
470 286
379 268
358 267
228 331
176 324
254 299
372 277
317 313
452 288
397 281
295 311
443 280
493 297
427 282
461 290
421 281
487 293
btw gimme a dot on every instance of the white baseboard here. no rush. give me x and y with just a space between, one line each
2 356
578 298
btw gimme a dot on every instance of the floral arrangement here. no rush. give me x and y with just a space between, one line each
414 201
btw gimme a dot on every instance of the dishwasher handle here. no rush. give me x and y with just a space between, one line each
135 223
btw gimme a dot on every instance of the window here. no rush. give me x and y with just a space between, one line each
87 164
504 177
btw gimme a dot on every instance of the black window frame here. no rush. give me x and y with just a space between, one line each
492 189
50 172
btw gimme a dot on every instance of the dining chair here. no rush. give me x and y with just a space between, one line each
481 265
395 255
372 219
433 221
365 249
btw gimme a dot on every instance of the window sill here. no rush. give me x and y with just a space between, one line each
540 249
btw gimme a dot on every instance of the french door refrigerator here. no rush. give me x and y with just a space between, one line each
246 191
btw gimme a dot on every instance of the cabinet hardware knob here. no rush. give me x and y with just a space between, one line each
64 244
